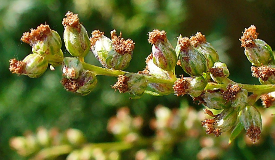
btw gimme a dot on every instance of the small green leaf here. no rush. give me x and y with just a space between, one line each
236 131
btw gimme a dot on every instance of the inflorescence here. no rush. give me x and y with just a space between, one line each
208 81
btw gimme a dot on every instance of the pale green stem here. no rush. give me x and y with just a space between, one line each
111 72
54 151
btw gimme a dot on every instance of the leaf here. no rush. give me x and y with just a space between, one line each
236 131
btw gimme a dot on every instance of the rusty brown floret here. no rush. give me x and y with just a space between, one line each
249 35
210 125
72 20
71 85
263 72
17 66
253 132
38 34
197 39
184 43
156 36
121 84
122 46
217 72
231 92
96 35
267 100
181 86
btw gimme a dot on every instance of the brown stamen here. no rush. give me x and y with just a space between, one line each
17 66
156 36
121 84
122 46
96 35
71 20
249 35
38 34
197 39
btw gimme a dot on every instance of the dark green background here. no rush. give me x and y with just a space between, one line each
26 104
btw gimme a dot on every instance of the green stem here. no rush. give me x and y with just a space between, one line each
110 146
54 151
111 72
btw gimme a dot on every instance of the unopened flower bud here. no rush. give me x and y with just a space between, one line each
43 137
32 65
75 137
266 74
154 70
72 67
83 85
75 36
113 53
222 122
257 51
164 55
191 60
250 118
194 86
219 72
214 100
135 84
45 42
268 100
201 45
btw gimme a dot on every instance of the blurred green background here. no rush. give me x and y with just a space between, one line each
26 104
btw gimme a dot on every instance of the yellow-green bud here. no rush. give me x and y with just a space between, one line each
115 53
72 67
191 60
45 42
133 83
75 36
164 55
257 51
75 137
240 100
251 119
219 72
43 137
32 65
214 100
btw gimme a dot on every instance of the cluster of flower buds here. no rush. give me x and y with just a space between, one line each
32 144
92 153
124 126
46 49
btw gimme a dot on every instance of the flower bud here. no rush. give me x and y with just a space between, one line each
241 100
72 67
191 60
214 100
268 99
32 65
45 42
257 51
194 86
116 53
201 45
250 118
164 55
83 85
219 72
43 137
222 122
154 70
266 74
75 137
135 84
75 36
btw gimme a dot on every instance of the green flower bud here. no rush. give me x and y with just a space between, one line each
250 118
135 84
32 65
116 53
75 137
219 72
45 42
222 122
83 85
164 55
257 51
214 100
75 36
72 67
240 100
43 137
191 60
266 74
194 86
154 70
199 43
